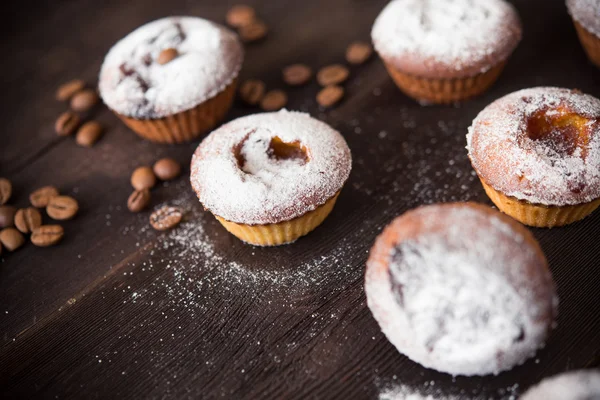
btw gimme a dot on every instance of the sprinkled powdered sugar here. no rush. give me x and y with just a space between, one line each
446 39
554 170
238 177
132 83
587 13
577 385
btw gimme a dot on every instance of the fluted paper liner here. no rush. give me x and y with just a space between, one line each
590 43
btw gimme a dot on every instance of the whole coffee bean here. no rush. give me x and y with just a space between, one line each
68 89
252 91
167 55
138 200
5 190
165 218
41 197
297 74
27 219
143 178
240 15
274 100
62 208
7 216
166 169
253 32
358 52
84 100
47 235
66 123
332 75
330 96
88 134
11 239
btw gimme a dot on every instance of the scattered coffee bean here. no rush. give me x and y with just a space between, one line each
332 75
88 134
138 200
297 74
252 91
240 15
358 52
165 218
27 219
5 190
330 95
143 178
274 100
11 239
68 89
166 169
253 32
167 55
62 208
84 100
7 216
66 123
47 235
41 197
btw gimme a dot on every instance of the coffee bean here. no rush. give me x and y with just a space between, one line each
167 55
297 74
138 200
84 100
47 235
66 123
332 75
88 134
240 15
11 239
62 208
68 89
41 197
358 52
252 91
27 219
165 218
5 190
253 32
166 169
7 216
274 100
143 178
330 95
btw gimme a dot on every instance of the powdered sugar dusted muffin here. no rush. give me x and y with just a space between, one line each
172 79
537 154
461 288
575 385
446 51
273 177
586 17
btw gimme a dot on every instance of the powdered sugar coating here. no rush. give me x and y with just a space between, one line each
264 189
461 289
575 385
132 83
587 13
446 39
536 171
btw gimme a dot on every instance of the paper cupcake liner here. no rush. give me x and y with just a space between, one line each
590 43
441 91
538 215
282 232
187 125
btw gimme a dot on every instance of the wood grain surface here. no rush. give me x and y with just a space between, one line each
120 311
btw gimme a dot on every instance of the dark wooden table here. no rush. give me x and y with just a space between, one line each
120 311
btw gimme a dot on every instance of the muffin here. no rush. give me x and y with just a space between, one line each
273 177
446 51
574 385
586 17
173 79
461 288
537 154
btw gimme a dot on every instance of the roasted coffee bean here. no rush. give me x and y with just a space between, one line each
166 169
88 134
11 239
84 100
66 123
7 216
330 95
143 178
27 219
358 52
274 100
167 55
252 91
165 218
253 32
5 190
332 75
41 197
240 15
138 200
297 74
68 89
62 208
47 235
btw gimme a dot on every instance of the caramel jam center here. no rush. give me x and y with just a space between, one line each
276 150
